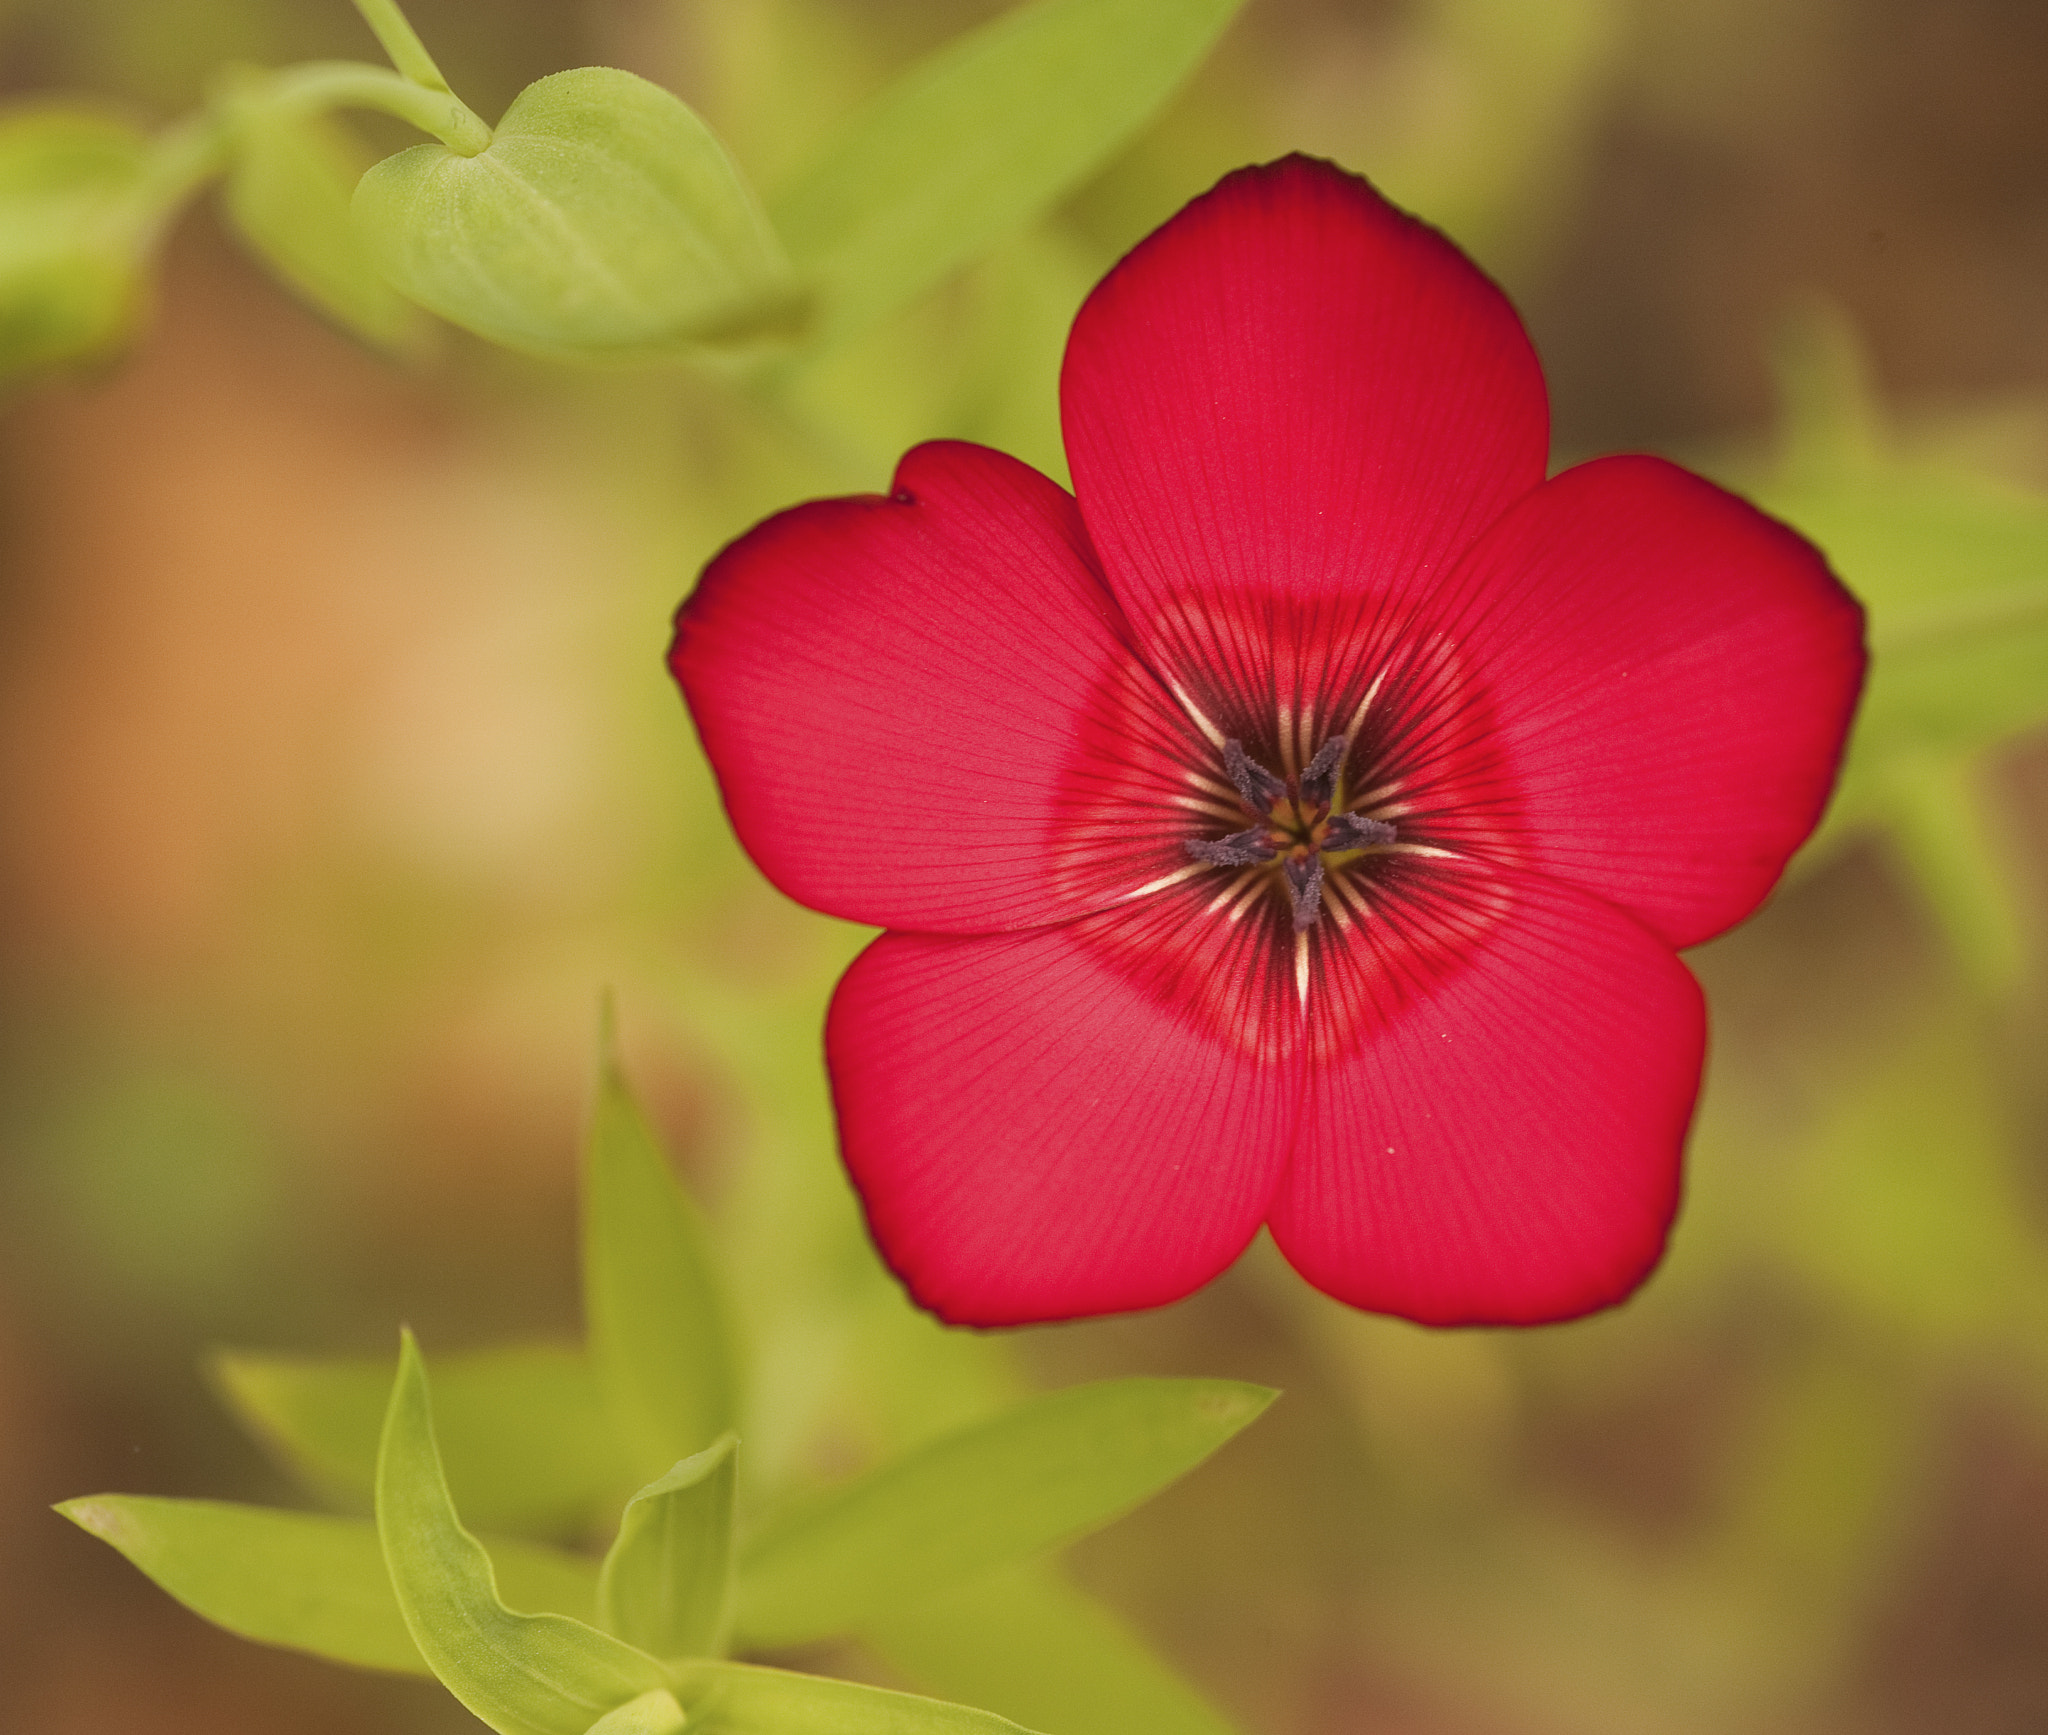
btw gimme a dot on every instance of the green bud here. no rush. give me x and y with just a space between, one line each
604 221
70 276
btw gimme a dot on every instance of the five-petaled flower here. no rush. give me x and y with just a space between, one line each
1295 824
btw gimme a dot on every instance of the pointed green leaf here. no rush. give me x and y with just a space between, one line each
70 278
655 1713
603 220
660 1344
301 1579
297 1579
523 1674
524 1433
738 1699
1004 1490
287 193
667 1579
1025 1643
979 138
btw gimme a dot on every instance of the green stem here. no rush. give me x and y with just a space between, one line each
402 42
320 85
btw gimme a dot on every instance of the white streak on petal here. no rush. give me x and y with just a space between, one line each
1365 704
1165 880
1201 722
1379 794
1233 814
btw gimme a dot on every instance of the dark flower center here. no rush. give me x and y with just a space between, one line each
1300 830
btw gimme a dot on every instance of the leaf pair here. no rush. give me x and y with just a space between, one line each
606 222
523 1674
600 220
603 221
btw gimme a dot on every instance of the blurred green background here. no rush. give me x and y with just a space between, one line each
339 773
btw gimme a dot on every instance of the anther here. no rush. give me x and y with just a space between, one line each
1259 787
1245 848
1304 889
1319 775
1355 831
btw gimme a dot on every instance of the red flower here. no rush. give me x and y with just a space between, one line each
1295 825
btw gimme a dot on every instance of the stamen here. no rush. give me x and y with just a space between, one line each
1259 787
1319 776
1356 831
1304 889
1245 848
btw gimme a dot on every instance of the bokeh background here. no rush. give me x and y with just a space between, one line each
339 775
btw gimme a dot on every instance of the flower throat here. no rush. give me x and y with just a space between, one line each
1295 825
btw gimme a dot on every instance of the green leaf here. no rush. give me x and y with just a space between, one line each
527 1441
70 276
523 1674
301 1579
1027 1644
655 1713
667 1580
604 221
660 1345
979 138
287 193
738 1699
1041 1474
297 1579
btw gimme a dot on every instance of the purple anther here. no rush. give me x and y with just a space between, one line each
1305 889
1245 848
1259 787
1319 776
1355 831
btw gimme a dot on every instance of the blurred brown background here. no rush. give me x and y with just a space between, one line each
339 773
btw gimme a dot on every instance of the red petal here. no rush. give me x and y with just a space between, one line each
892 692
1038 1135
1292 386
1501 1143
1672 676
